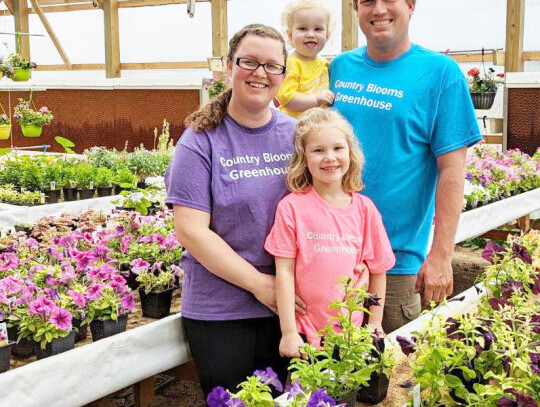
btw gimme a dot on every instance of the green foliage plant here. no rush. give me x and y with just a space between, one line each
103 177
84 175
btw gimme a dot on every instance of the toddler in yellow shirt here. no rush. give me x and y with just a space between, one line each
308 25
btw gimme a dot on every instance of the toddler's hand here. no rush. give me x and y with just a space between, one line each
290 346
326 97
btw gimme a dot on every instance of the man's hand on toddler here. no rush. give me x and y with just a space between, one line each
362 272
326 97
290 346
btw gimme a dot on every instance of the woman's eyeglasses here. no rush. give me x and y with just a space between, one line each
252 65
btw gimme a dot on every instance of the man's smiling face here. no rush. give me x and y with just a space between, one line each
385 23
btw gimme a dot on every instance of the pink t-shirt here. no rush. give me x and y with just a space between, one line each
327 243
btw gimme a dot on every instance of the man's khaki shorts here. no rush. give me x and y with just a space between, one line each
402 304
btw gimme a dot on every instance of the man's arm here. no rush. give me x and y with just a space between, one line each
435 277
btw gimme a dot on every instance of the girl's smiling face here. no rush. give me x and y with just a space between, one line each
327 155
254 90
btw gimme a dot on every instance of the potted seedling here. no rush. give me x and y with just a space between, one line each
103 181
124 180
51 180
67 182
84 177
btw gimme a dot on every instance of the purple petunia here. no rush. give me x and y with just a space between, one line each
31 243
508 288
408 346
295 389
42 306
491 250
521 400
234 402
218 397
535 362
62 319
128 302
319 398
452 329
77 298
522 253
268 376
94 291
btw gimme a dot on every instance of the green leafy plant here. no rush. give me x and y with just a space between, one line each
84 175
66 143
216 86
103 177
125 178
18 61
4 119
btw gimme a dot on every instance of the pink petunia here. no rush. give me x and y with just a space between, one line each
128 302
126 240
77 298
94 292
8 261
62 319
42 306
31 243
138 265
44 109
55 253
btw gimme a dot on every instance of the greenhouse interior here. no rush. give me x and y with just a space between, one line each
172 170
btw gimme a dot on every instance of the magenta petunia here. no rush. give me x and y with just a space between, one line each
138 265
8 261
94 292
62 319
77 298
31 243
128 302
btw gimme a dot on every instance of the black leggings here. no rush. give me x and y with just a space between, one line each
226 352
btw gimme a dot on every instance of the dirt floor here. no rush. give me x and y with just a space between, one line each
173 392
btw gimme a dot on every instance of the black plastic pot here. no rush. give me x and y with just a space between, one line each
25 348
349 400
375 391
141 185
70 194
52 196
25 229
104 329
469 384
5 356
86 193
118 189
156 305
56 346
82 330
104 191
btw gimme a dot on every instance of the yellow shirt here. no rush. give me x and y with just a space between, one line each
305 77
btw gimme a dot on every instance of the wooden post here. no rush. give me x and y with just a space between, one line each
349 34
143 392
524 223
219 28
515 17
20 10
112 39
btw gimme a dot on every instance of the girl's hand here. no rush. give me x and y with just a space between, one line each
362 271
299 305
290 346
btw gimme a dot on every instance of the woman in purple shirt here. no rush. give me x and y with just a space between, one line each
225 181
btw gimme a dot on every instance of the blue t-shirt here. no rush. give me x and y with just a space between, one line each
237 174
405 113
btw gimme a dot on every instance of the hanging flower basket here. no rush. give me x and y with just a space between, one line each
483 100
31 130
5 130
21 74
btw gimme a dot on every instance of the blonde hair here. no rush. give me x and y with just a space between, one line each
409 2
287 17
298 176
211 115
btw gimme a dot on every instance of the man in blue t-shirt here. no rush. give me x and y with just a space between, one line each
411 110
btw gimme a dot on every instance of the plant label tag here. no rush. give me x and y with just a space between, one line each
53 185
110 184
416 395
23 189
42 198
91 184
3 334
72 184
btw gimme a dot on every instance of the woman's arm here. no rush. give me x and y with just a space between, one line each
291 341
192 228
377 286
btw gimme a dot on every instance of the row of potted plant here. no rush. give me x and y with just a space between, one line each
492 175
57 281
489 357
53 175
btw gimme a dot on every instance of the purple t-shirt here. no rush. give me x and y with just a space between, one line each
237 174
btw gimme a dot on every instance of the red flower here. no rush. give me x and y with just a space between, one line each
500 75
474 72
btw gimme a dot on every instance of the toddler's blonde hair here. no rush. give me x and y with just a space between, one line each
287 17
298 176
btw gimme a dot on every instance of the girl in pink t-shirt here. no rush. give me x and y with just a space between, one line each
324 230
